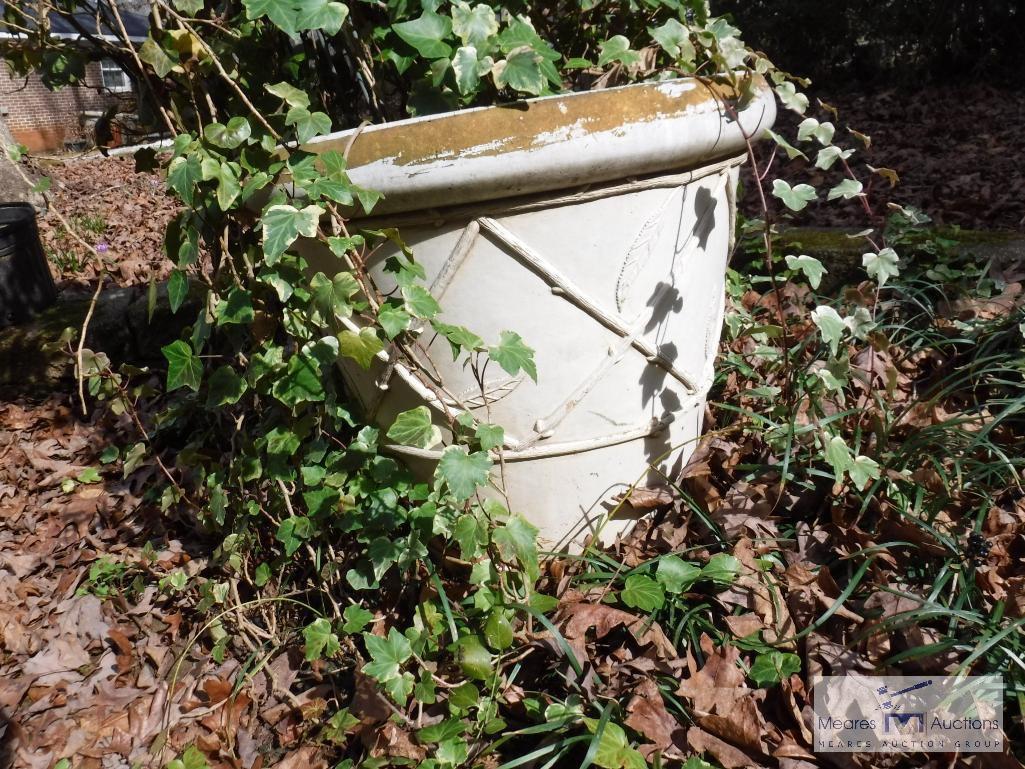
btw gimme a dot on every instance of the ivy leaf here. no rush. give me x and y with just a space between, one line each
153 54
225 387
184 368
790 149
795 198
839 457
327 15
291 95
881 266
427 34
183 174
462 471
331 295
810 266
617 48
517 541
415 428
236 307
282 13
830 325
307 124
361 347
771 668
467 69
393 320
490 436
282 224
614 751
674 38
810 128
471 536
387 656
321 501
192 758
863 470
513 355
177 289
300 383
847 189
860 323
474 26
356 618
419 302
791 99
676 574
383 553
320 640
642 592
521 71
228 188
829 155
89 475
474 660
191 7
722 569
292 531
228 136
498 631
459 338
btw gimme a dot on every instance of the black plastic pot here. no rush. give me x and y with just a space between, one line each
26 286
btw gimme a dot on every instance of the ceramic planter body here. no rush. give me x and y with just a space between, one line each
595 225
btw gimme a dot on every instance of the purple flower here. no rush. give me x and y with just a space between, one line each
102 248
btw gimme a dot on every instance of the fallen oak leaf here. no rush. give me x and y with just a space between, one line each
647 715
727 755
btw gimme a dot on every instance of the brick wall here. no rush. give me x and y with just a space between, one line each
42 119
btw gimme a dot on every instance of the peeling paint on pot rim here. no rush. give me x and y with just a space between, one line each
556 142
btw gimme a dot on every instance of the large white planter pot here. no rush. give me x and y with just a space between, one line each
597 226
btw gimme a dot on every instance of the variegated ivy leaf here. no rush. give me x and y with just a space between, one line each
474 26
283 224
810 266
415 428
674 38
831 326
520 70
617 49
795 198
847 189
810 128
830 380
291 95
829 155
468 70
860 469
881 266
860 323
790 149
791 98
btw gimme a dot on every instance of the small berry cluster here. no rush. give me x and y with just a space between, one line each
976 550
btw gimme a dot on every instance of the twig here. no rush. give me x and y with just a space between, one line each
80 371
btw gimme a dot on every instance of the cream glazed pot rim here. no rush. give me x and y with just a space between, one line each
550 143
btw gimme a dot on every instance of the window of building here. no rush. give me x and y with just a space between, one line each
114 78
